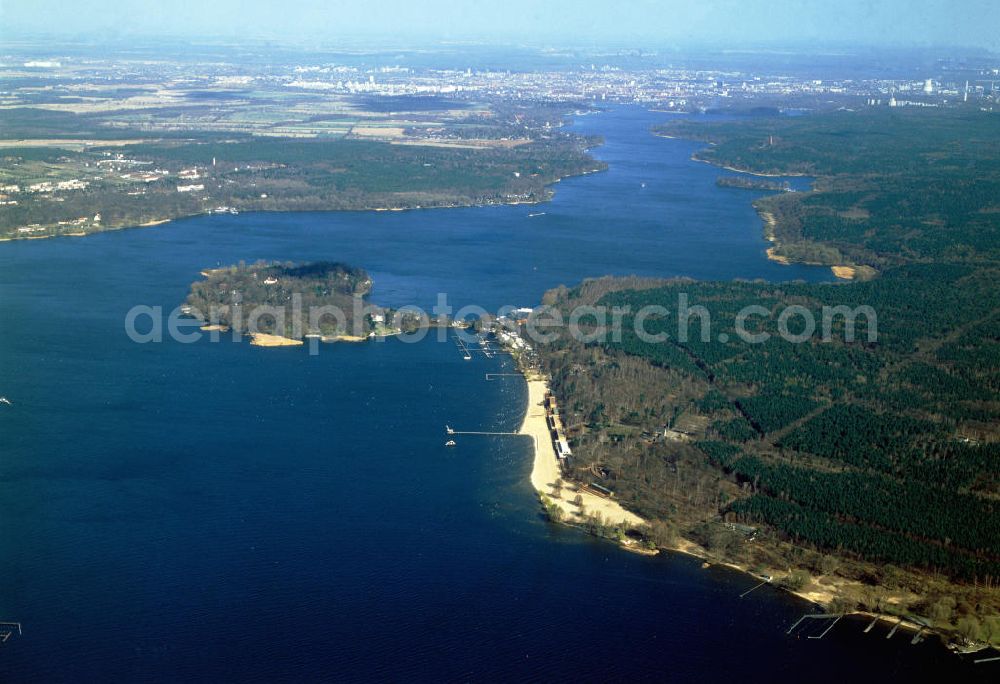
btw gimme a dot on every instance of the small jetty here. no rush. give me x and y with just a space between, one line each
918 626
892 631
9 629
755 587
834 618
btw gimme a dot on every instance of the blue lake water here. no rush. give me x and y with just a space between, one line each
224 512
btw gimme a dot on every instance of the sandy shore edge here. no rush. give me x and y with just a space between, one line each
265 340
546 475
844 272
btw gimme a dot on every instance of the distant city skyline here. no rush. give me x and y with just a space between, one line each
712 23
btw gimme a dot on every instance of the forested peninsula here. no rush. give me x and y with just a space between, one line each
863 472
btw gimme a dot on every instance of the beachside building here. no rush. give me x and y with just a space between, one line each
562 449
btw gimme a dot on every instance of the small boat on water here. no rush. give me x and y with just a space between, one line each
468 356
5 400
537 213
449 429
450 443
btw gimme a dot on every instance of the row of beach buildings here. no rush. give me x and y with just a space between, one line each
556 430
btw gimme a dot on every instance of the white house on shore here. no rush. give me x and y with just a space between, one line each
562 449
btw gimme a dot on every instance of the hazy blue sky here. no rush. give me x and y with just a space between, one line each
649 22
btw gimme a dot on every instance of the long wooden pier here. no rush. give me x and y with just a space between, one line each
758 586
452 431
482 432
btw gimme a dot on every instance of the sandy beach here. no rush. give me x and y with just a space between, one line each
265 340
777 257
343 338
545 472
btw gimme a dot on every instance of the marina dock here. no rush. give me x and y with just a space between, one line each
486 348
